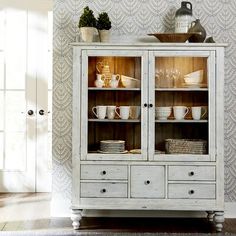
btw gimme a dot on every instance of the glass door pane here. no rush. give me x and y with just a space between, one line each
114 113
181 108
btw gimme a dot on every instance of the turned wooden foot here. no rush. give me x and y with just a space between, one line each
210 215
76 216
219 220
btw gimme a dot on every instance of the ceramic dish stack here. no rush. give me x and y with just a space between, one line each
112 146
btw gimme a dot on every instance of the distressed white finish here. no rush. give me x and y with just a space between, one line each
104 172
192 173
193 191
149 181
103 190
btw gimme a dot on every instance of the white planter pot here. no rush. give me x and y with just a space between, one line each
104 35
87 34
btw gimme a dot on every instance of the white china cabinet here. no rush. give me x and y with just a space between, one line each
154 159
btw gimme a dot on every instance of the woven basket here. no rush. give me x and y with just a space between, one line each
186 146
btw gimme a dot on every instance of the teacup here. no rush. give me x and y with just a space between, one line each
124 112
111 112
100 111
180 112
197 112
135 112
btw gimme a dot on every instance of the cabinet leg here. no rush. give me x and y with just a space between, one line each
76 216
210 215
219 220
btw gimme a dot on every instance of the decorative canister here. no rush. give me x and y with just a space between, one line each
183 17
196 27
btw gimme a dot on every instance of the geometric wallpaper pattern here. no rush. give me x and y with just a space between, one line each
135 17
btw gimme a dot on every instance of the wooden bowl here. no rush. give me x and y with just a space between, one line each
172 37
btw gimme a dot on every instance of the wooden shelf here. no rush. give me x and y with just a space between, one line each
115 120
181 121
114 89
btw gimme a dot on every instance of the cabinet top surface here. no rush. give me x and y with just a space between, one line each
148 45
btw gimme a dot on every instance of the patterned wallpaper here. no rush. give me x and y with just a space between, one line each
136 17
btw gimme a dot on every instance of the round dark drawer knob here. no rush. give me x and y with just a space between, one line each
103 190
151 105
145 104
147 182
30 112
191 173
191 192
41 112
104 172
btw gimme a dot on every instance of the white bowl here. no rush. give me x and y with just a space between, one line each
195 77
129 82
163 109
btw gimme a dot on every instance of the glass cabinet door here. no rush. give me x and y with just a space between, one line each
182 121
114 89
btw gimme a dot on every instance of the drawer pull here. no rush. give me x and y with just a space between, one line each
103 172
191 173
103 190
191 192
147 182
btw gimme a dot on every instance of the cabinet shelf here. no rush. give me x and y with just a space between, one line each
180 89
181 121
114 89
115 120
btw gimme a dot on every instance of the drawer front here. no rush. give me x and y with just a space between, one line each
103 190
198 191
191 173
103 172
147 181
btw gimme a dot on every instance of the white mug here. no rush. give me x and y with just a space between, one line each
197 112
100 111
134 112
180 112
111 112
124 112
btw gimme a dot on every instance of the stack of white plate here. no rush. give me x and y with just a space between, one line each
112 146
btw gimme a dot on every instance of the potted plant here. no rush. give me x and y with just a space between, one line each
104 26
87 25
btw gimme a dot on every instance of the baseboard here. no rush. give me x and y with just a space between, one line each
61 208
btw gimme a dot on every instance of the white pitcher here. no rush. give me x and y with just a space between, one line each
114 82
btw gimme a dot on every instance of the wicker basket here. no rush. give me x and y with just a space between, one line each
186 146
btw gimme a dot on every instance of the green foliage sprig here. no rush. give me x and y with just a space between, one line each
103 21
87 19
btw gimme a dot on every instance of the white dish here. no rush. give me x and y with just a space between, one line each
129 82
194 85
194 77
113 152
112 141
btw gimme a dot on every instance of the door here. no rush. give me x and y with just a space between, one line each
114 105
24 77
182 121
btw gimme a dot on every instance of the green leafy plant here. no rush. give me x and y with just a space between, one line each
103 21
87 19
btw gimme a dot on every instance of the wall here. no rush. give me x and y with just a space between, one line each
135 17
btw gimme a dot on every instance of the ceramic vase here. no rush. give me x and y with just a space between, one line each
197 28
104 35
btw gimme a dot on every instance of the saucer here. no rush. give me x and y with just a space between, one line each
113 152
194 85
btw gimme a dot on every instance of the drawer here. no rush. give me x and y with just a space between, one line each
198 191
104 172
147 181
103 190
191 173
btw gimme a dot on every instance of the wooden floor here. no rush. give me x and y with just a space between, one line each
20 212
